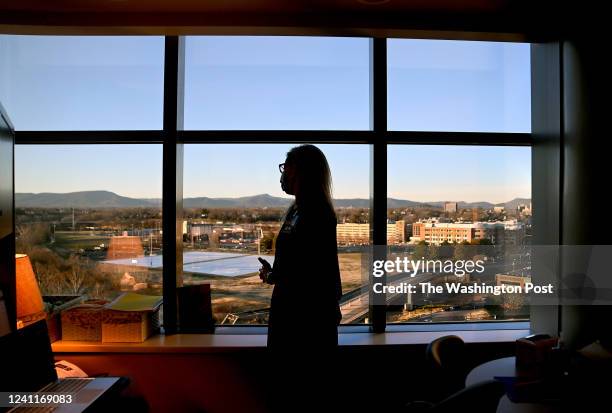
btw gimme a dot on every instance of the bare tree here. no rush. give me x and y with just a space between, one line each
31 235
49 278
76 275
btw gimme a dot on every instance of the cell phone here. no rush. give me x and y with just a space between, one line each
265 263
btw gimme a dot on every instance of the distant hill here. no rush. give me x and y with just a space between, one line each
84 199
255 201
107 199
516 202
440 204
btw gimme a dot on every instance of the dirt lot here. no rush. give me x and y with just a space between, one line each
240 294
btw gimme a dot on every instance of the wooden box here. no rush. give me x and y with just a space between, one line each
55 304
131 318
129 326
83 322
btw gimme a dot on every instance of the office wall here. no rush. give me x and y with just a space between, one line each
376 377
7 235
546 172
586 173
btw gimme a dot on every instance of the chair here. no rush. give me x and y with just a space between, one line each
446 358
481 397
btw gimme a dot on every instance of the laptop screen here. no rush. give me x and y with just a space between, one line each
5 327
26 359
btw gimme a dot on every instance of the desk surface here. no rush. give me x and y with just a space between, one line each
204 343
505 367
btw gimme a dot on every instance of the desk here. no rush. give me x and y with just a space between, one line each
505 367
213 343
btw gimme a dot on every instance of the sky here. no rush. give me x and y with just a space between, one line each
116 83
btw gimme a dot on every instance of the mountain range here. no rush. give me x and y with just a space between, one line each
107 199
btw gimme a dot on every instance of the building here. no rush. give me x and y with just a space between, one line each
124 246
450 207
353 233
493 231
514 232
507 279
396 232
524 209
499 209
435 232
359 234
199 229
475 214
237 235
408 231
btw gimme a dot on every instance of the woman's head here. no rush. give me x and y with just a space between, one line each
306 175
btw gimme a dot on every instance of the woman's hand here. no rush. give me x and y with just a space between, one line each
265 270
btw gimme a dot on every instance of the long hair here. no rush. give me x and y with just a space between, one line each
313 177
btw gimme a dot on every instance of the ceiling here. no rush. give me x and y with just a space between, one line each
250 6
351 17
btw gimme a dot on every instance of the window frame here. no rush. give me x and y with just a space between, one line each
173 138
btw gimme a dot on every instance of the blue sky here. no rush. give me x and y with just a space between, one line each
268 83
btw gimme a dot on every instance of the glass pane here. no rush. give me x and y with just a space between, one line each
82 82
466 204
278 83
459 86
89 217
233 210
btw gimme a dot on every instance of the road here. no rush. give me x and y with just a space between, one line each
355 306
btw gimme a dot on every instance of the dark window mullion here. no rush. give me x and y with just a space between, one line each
459 138
172 193
378 185
99 137
278 136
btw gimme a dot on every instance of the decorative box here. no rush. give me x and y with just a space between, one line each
131 318
82 322
54 305
532 353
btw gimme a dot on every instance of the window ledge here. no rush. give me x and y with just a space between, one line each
211 343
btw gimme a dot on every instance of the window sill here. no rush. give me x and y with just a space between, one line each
212 343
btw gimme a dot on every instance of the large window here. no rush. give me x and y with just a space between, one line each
82 82
89 217
470 203
233 209
458 86
428 143
308 83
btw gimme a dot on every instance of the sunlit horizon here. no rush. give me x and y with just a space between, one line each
289 198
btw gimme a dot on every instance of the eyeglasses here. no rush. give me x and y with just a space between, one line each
281 167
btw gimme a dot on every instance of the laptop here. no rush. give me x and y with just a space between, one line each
27 365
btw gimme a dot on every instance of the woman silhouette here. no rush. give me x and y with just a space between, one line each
304 310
